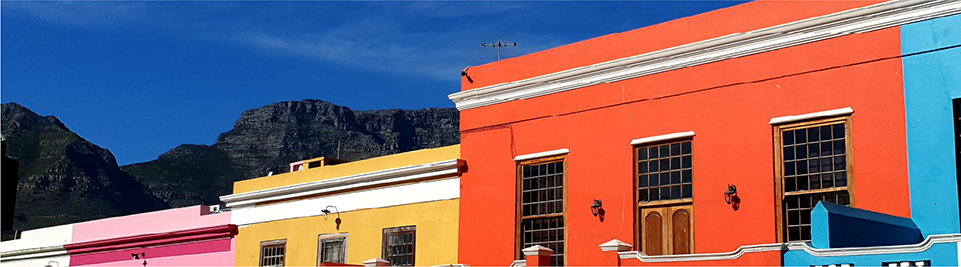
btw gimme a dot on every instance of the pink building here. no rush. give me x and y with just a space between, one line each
191 236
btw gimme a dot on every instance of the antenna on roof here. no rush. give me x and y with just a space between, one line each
499 45
504 48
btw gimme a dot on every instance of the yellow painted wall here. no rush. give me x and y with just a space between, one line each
436 238
416 157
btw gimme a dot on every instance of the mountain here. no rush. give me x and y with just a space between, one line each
268 138
64 178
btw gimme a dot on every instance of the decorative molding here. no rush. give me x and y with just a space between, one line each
30 253
152 240
809 116
858 20
912 248
663 137
829 252
519 263
396 175
701 256
555 152
379 197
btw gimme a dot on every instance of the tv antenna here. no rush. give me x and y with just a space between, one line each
499 45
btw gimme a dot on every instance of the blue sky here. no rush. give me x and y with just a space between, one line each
140 78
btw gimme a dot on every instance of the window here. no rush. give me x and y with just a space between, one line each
272 252
541 220
957 143
331 248
814 164
399 244
665 185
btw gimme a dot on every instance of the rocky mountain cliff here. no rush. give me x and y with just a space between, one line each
64 178
268 138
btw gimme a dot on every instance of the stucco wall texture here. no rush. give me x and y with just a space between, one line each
728 104
215 252
436 236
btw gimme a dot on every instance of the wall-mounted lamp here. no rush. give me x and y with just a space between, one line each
141 255
327 211
729 193
596 207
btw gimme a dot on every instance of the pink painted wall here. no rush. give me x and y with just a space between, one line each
208 253
216 252
147 223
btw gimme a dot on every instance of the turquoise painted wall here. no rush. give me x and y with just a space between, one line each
943 254
931 81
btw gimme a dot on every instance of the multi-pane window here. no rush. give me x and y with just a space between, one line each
664 172
399 244
272 253
542 206
665 185
814 166
332 248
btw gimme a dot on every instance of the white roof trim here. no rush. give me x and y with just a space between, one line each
395 175
37 252
663 137
700 256
912 248
828 252
379 197
809 116
858 20
555 152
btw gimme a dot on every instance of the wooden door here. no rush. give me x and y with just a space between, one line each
667 230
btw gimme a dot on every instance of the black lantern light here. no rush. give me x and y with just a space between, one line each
596 207
729 193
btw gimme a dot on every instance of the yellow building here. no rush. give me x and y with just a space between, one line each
401 208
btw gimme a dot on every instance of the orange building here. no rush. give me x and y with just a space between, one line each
706 140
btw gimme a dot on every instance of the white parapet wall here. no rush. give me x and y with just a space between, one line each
38 248
403 194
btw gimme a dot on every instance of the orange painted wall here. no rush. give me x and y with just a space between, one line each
741 18
728 104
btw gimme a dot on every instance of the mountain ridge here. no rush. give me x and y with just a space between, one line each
57 164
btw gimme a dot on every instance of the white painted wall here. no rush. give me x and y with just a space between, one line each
373 198
48 243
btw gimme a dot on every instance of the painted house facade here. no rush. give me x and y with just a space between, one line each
398 209
189 236
712 139
38 248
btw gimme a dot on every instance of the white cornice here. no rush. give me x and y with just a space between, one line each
555 152
858 20
827 252
912 248
396 175
701 256
809 116
29 253
663 137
